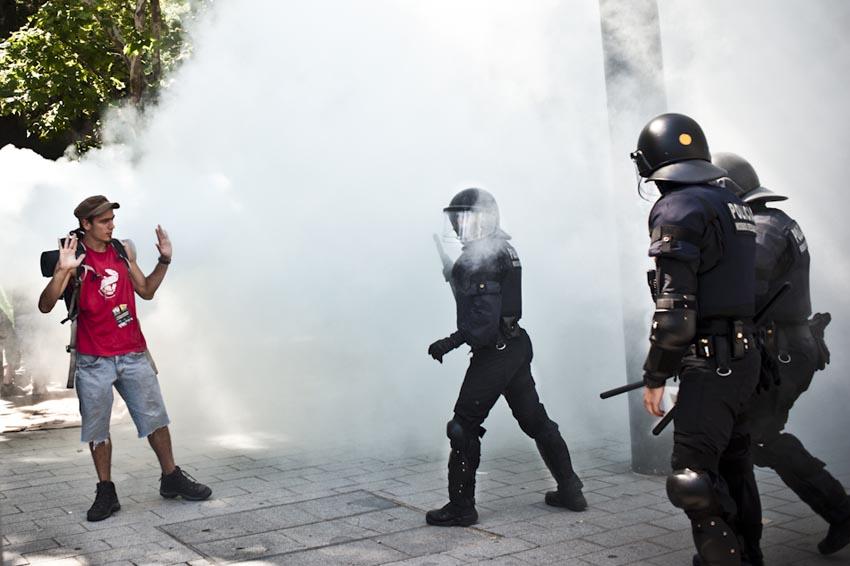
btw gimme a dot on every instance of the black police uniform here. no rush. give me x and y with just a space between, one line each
793 348
783 255
703 243
704 246
486 283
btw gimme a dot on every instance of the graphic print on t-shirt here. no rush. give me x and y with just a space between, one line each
109 283
122 315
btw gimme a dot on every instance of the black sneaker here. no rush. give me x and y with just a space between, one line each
837 537
180 483
572 498
105 502
452 515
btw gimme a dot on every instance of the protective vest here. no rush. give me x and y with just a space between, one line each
713 231
487 284
782 254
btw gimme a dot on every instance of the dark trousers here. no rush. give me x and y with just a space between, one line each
783 452
711 434
493 373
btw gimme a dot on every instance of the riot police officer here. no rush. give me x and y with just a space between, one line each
486 283
703 243
793 349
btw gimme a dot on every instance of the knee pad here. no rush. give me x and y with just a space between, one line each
460 436
691 491
456 433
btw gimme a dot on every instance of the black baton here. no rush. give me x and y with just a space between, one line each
665 420
622 389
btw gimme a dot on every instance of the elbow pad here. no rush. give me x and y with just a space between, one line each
674 327
674 323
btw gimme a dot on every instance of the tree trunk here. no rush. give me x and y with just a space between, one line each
8 18
137 76
156 28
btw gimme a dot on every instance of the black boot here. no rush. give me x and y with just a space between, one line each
463 462
105 502
716 543
180 483
453 514
556 456
837 538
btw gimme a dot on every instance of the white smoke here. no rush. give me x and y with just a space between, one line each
301 180
301 160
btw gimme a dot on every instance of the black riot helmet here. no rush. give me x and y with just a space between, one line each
472 215
672 147
744 180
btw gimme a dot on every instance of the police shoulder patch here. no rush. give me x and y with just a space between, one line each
742 217
513 255
798 237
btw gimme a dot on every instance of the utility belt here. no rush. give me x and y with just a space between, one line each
723 340
509 329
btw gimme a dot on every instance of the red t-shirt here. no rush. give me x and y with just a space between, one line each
107 324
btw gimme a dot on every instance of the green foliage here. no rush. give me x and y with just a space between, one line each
72 60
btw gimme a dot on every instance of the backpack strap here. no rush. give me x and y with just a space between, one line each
72 290
121 250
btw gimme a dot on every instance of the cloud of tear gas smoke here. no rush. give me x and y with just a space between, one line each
301 180
768 80
300 163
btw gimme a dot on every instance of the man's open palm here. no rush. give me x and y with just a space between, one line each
163 243
67 254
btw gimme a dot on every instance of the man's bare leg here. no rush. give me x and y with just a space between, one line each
106 501
160 441
101 453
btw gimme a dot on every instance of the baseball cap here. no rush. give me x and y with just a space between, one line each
94 206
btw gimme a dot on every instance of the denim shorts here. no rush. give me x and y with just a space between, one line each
136 382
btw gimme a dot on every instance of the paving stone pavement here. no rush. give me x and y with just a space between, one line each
286 505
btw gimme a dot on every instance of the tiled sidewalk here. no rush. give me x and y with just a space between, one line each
289 506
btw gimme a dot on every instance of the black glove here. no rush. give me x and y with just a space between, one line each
445 345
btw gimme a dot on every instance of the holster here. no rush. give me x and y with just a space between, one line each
817 325
508 328
652 281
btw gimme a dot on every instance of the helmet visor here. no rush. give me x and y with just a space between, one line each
469 225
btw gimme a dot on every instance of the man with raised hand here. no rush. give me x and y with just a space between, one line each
111 349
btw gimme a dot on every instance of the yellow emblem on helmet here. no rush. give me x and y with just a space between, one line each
685 139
